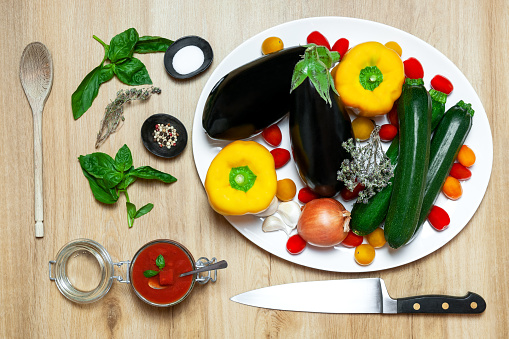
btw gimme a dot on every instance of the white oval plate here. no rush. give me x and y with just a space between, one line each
340 258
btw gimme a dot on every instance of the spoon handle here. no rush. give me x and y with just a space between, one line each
217 266
39 205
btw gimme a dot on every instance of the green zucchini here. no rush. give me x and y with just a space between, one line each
445 145
367 217
414 112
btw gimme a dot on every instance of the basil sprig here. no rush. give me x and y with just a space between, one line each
108 177
159 263
128 69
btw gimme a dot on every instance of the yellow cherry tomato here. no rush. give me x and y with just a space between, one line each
466 156
286 189
362 128
364 254
394 46
271 45
452 188
376 238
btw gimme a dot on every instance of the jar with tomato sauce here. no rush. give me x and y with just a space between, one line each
154 272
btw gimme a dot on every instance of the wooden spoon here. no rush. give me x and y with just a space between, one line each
36 75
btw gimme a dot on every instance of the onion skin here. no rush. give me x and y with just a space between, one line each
324 222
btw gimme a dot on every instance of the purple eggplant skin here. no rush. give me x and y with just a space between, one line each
317 131
251 97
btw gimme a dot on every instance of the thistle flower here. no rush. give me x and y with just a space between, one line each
369 166
114 112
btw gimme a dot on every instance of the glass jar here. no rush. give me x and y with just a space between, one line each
86 286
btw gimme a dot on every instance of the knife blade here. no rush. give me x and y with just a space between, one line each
355 296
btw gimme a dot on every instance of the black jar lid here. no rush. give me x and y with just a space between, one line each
152 146
186 41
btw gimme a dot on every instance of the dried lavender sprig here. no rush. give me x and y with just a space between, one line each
114 112
369 166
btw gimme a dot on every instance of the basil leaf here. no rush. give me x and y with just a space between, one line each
112 179
101 193
150 273
160 261
124 183
123 159
150 44
98 164
87 91
144 210
132 72
131 212
122 45
131 209
147 172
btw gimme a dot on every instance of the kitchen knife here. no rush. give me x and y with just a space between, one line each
354 296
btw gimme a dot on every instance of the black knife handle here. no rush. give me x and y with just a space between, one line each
470 304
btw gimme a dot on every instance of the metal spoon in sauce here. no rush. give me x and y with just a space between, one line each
217 266
36 75
154 281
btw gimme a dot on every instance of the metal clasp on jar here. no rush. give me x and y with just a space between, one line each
119 277
205 277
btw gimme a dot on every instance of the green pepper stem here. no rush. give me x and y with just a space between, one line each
242 178
371 77
239 179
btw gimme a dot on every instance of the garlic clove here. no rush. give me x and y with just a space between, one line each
154 283
269 210
289 212
273 223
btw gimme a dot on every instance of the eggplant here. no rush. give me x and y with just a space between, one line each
317 131
251 97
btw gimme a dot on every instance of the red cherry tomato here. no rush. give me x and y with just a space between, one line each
306 195
318 39
281 157
413 68
392 116
341 46
438 218
387 132
352 240
460 172
442 84
347 195
295 244
272 135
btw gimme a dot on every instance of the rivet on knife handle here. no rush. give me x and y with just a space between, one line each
472 303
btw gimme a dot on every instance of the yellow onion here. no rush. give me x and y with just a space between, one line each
324 222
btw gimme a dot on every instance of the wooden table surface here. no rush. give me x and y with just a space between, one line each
473 34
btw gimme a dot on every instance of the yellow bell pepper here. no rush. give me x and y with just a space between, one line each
369 79
241 179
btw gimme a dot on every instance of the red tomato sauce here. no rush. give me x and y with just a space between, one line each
176 260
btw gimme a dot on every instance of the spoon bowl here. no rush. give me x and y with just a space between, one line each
36 75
